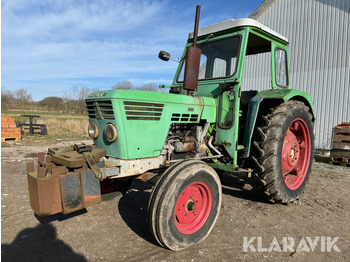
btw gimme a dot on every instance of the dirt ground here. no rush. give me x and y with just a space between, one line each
117 230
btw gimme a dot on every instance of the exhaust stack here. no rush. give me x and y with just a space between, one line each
193 56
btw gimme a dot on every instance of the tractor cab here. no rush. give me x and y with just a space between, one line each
224 49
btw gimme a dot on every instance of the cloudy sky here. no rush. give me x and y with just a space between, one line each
50 46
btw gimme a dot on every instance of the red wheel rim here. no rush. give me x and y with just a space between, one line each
193 208
110 185
296 154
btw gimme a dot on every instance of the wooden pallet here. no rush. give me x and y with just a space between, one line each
341 137
11 139
340 161
9 131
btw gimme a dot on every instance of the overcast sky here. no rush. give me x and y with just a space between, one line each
50 46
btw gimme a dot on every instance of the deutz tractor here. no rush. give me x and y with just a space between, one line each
208 123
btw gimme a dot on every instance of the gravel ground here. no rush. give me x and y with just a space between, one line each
117 230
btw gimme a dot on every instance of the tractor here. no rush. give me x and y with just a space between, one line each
208 123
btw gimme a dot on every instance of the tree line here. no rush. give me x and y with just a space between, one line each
71 101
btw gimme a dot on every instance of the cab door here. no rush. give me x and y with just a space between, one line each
228 116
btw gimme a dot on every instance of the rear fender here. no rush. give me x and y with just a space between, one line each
271 98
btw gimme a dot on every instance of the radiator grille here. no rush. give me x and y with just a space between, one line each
102 109
143 111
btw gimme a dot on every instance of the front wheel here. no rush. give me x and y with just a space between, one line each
184 204
283 151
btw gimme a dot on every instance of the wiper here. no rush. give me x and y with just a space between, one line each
206 40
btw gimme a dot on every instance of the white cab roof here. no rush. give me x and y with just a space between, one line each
235 23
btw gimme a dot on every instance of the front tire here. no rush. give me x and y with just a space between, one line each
184 205
283 151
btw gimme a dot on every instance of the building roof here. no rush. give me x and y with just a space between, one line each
261 8
232 23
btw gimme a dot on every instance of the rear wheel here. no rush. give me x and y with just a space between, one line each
283 151
184 204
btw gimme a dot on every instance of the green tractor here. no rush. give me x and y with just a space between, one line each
183 139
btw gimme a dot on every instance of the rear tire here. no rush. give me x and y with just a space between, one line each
283 151
184 205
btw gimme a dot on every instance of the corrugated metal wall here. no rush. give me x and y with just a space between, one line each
319 42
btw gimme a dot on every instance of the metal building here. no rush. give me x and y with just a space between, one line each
319 42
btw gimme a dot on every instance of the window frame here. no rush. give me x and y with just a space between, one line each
215 40
275 67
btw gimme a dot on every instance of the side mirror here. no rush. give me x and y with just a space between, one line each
165 56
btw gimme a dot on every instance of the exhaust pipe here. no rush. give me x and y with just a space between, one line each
193 56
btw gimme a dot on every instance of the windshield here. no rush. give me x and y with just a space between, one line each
218 59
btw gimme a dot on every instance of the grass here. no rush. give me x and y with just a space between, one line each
19 112
59 126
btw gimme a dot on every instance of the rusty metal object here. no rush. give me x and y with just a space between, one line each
115 168
149 177
91 188
63 192
184 147
193 56
42 170
73 159
44 190
79 190
53 189
41 165
44 194
41 157
83 168
56 150
71 192
59 170
82 148
196 25
48 159
188 144
45 165
50 167
30 167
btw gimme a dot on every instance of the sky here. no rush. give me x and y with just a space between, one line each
51 46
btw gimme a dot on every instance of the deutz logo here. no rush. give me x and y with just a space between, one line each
97 94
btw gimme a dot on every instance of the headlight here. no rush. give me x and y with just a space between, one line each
111 133
93 130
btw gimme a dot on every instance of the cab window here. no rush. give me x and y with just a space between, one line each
218 59
281 67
